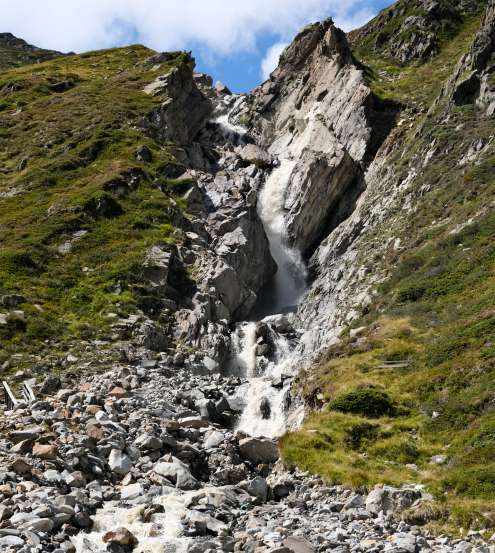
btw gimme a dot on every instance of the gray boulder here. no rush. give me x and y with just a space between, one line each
258 450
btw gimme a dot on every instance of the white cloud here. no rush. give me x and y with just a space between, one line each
271 59
219 27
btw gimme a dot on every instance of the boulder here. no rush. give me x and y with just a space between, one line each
387 499
258 488
120 536
47 452
119 462
50 385
254 155
178 473
298 545
259 450
147 442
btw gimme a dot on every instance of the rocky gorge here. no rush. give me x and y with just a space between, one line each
287 209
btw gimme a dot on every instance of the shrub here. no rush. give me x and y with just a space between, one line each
366 402
360 434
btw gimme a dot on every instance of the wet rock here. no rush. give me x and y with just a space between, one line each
120 536
214 439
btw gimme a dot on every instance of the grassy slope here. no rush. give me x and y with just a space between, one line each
434 317
58 152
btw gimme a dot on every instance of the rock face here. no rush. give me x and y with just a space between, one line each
185 110
471 82
408 31
317 115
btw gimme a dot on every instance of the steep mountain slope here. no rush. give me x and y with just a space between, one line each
409 276
15 52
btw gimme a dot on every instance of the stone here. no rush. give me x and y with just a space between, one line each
298 545
48 452
438 460
120 536
405 543
259 450
11 541
143 153
253 154
39 525
147 442
387 499
22 447
258 488
20 466
5 512
214 439
53 476
118 392
133 491
119 462
75 479
177 473
50 385
22 435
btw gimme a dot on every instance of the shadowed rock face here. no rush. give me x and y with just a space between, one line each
471 81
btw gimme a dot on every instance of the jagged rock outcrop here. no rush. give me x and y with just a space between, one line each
318 116
184 110
409 31
472 81
349 263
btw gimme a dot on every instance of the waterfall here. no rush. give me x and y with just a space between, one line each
230 131
266 397
265 411
243 362
289 284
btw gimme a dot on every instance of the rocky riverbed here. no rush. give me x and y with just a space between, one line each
145 458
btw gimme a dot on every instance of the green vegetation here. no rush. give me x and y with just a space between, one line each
78 207
429 343
367 402
417 84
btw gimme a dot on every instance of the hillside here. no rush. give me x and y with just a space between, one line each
259 322
15 52
420 342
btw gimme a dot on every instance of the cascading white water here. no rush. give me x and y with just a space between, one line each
264 414
162 534
244 348
232 132
290 280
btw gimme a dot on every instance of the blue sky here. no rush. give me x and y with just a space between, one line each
241 71
235 41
